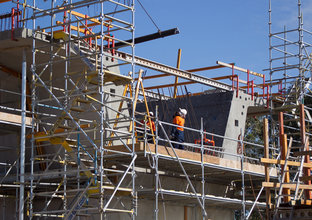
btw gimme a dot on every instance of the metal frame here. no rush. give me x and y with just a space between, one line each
89 155
289 55
97 177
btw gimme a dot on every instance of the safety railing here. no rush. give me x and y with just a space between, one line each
162 136
11 21
144 134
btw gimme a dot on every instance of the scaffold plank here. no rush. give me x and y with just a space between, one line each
14 119
291 186
184 155
282 162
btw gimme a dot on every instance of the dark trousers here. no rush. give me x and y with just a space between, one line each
178 137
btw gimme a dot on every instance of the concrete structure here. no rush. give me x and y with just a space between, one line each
83 158
223 113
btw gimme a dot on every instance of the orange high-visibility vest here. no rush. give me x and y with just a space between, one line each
178 120
153 125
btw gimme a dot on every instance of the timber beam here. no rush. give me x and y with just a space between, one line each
291 186
184 83
282 162
190 70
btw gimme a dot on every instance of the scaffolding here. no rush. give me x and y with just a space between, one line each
88 142
290 80
73 105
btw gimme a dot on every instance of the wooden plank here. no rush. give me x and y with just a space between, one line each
291 186
266 167
136 94
177 78
284 156
306 178
72 27
305 202
240 69
306 171
282 162
2 1
183 83
303 153
191 71
81 28
285 108
147 111
95 21
192 156
240 81
14 119
84 16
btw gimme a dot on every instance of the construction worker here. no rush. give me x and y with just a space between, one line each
177 133
152 122
148 126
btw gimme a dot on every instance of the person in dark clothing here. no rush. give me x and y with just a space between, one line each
177 133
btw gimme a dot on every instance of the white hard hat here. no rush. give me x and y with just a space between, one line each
183 111
151 113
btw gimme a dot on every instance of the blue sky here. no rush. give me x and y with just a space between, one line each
225 30
229 31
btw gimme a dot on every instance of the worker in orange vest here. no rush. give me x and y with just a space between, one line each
177 133
148 128
150 139
152 122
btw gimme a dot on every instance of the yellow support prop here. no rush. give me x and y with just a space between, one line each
177 78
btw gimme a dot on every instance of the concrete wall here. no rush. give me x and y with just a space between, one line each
236 123
223 113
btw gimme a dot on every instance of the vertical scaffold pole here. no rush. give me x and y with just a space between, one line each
285 54
300 57
23 133
133 112
102 112
270 50
202 165
33 102
243 176
66 104
156 168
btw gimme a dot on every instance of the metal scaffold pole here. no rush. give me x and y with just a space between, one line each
86 152
133 174
66 100
243 176
33 106
72 67
202 151
290 55
156 210
300 55
23 141
102 114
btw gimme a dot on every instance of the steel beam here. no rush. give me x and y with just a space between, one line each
173 71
